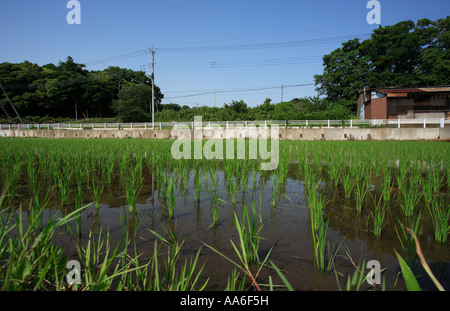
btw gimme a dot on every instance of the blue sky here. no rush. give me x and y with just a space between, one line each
37 31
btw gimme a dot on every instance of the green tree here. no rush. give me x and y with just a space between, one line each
402 55
133 102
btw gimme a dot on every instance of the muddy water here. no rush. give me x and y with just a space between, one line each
286 232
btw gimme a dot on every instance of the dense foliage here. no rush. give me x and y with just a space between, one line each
67 90
406 54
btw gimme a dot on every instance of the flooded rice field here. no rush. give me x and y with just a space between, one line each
311 224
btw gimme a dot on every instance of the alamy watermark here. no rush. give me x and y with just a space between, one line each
74 15
263 142
374 16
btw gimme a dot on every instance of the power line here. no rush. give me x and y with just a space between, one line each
239 90
267 45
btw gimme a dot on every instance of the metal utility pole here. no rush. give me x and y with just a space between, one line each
153 88
282 93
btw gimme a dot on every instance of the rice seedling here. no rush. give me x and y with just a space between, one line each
96 189
62 182
360 194
216 203
248 231
133 186
411 198
198 187
30 261
405 238
274 191
378 216
233 189
348 183
386 184
171 198
440 217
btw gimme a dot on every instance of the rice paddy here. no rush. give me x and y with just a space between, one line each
137 219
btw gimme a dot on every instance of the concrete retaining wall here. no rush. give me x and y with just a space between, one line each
285 134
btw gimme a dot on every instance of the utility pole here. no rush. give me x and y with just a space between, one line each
153 88
282 93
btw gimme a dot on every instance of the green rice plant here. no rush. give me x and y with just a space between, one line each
348 183
386 184
282 276
110 165
216 203
411 198
440 217
173 277
360 194
283 166
405 238
378 216
13 170
427 189
29 260
62 182
335 171
356 281
316 205
235 282
171 198
96 189
436 179
233 190
133 185
248 231
274 191
198 187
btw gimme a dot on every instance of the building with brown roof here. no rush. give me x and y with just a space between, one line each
405 103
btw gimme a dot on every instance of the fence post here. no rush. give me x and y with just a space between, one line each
59 126
442 122
424 123
306 123
70 126
227 125
81 126
265 124
176 125
160 126
48 126
105 125
93 126
38 126
28 126
398 120
131 125
328 123
145 125
351 123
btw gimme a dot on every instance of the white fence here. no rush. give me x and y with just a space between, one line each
400 123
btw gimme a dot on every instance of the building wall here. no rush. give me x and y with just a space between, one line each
378 108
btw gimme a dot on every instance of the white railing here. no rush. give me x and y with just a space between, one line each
354 123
